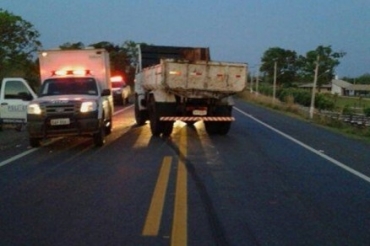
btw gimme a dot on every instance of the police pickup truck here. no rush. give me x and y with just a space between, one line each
15 95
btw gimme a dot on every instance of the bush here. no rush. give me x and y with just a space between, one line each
347 110
265 90
367 112
323 102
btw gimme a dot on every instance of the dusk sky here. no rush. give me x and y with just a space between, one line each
234 30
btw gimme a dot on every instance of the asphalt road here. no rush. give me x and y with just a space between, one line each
273 180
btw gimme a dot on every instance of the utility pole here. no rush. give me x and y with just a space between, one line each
257 81
251 88
312 107
274 87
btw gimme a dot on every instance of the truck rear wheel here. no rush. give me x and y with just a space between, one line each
35 142
140 116
155 123
219 127
156 110
167 128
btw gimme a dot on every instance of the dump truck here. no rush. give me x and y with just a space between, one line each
75 97
182 83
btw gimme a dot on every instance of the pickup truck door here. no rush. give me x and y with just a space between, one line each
15 95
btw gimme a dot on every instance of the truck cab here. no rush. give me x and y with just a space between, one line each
15 95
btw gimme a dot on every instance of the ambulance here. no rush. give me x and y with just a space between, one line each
75 96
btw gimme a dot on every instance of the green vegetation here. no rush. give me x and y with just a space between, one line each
291 108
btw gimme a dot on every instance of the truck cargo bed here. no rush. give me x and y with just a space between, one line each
197 78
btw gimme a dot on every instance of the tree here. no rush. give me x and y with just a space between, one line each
130 47
120 59
328 60
72 46
18 42
363 79
286 61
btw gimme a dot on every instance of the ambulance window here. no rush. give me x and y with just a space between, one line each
16 90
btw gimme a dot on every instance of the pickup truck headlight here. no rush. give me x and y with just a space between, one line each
88 107
34 108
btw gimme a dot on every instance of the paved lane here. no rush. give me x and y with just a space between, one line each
254 186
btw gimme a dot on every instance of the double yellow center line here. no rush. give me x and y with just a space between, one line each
153 219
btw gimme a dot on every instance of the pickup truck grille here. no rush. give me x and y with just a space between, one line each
62 109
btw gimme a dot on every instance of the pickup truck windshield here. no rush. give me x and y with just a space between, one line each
69 86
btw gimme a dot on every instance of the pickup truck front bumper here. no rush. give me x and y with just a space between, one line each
42 128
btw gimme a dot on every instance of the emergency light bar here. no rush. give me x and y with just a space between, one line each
70 72
116 79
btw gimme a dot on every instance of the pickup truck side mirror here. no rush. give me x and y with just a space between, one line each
106 92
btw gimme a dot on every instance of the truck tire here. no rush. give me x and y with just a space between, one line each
156 125
140 116
35 142
99 137
108 126
219 127
167 128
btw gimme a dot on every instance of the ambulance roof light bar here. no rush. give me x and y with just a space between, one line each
71 72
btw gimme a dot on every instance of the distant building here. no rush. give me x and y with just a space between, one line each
358 90
341 88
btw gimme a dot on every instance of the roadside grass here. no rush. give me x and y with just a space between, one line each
293 110
357 102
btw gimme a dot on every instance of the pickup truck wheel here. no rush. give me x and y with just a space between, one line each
108 127
35 142
140 116
99 137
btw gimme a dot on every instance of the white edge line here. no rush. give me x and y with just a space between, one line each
17 157
339 164
27 152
